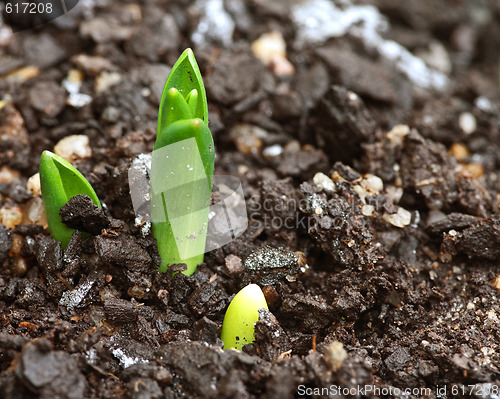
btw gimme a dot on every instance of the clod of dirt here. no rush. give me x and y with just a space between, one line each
270 264
270 338
82 214
5 242
343 123
228 86
205 330
335 215
49 255
124 252
429 172
48 373
120 311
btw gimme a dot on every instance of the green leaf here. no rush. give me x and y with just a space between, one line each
238 327
179 108
60 181
181 185
182 168
185 76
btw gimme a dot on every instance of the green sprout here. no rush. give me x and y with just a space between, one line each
238 327
182 168
60 181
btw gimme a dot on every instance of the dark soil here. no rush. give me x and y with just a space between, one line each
405 276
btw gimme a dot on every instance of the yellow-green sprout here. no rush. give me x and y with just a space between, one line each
238 327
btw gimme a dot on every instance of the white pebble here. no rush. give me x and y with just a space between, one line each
400 219
335 354
272 151
368 210
7 175
105 80
372 183
323 181
397 134
73 147
270 48
33 185
34 212
10 217
467 122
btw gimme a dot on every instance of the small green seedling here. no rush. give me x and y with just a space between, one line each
238 327
182 168
60 181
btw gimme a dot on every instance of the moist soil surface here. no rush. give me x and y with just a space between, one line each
369 158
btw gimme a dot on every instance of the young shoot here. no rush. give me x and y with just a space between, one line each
182 168
238 327
60 181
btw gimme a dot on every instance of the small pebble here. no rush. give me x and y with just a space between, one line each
273 151
247 138
335 354
368 210
467 122
475 169
397 135
33 185
323 181
496 282
400 219
92 65
23 74
105 80
233 264
270 48
20 267
436 57
372 183
10 217
73 147
7 175
16 246
34 213
292 147
459 151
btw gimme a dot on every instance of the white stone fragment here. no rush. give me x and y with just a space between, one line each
78 100
272 151
323 181
105 80
270 48
372 183
436 57
73 147
467 122
368 210
335 354
400 219
484 104
397 134
215 24
125 360
33 185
